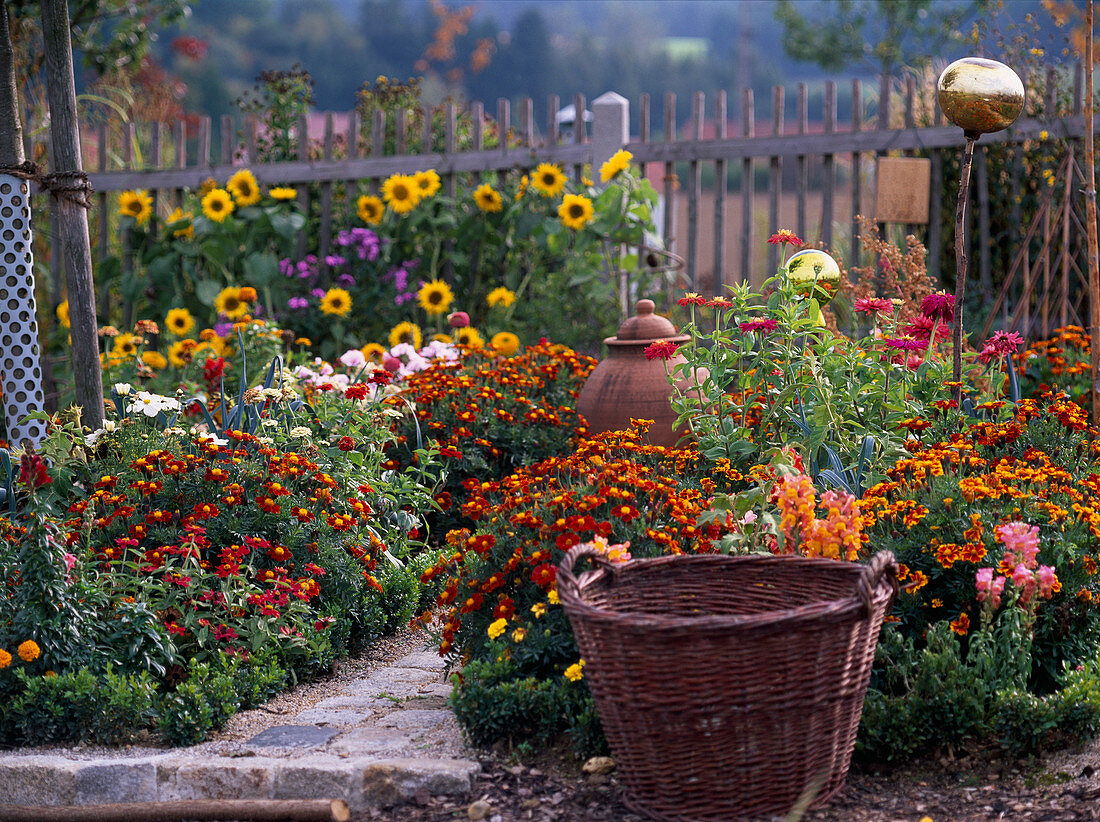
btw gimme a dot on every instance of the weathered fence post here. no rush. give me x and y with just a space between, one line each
610 127
20 360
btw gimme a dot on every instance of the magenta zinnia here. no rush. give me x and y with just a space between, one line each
906 344
873 305
938 306
758 325
660 350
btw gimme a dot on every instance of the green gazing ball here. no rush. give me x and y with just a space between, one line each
810 266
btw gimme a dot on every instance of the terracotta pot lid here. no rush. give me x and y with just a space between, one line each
644 326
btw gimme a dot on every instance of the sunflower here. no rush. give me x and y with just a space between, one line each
469 336
217 205
136 204
401 192
505 342
184 229
406 332
500 296
442 338
215 347
245 189
179 353
619 161
575 211
524 181
125 346
229 303
373 352
336 301
435 297
370 209
488 199
63 314
282 193
154 359
179 321
427 182
548 180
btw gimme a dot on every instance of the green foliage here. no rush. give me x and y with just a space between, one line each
81 706
279 99
199 704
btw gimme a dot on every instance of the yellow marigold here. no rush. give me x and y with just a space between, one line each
575 211
401 192
552 597
136 204
282 193
619 161
182 222
427 182
497 628
217 205
500 296
548 180
406 332
539 609
488 199
370 209
519 635
29 651
469 336
154 359
63 314
245 189
505 342
5 659
337 301
435 297
575 672
179 321
229 303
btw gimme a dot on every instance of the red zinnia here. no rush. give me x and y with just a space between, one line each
660 350
691 298
784 235
356 392
758 325
873 305
345 444
938 306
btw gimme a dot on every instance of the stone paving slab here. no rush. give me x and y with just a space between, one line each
385 739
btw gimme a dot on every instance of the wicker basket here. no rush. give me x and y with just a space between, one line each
728 687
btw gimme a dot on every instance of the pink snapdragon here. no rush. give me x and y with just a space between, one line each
1021 542
989 587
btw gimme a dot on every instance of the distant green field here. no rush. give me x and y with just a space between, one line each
684 48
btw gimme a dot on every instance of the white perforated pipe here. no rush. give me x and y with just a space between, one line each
20 366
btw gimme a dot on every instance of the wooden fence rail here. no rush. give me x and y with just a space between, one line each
818 174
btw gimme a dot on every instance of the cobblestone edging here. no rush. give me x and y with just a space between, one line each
388 738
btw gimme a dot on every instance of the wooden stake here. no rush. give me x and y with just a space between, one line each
1090 224
72 217
960 262
245 810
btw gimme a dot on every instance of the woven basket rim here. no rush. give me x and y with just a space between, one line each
839 609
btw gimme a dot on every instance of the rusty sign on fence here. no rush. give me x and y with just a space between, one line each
901 191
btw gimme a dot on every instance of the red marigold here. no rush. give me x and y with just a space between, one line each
544 575
471 604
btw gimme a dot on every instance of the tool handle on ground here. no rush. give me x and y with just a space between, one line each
573 584
882 567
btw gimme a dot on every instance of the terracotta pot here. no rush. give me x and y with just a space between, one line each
627 385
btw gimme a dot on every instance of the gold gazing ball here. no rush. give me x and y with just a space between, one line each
811 266
980 96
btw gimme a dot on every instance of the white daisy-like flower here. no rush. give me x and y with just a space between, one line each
300 432
123 389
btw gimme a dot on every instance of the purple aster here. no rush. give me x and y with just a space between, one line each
286 267
223 329
318 292
297 302
334 261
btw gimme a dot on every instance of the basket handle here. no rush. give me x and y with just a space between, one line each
882 567
565 569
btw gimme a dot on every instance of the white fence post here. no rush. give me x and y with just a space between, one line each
610 127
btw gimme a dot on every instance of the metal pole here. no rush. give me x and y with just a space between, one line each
960 261
1090 225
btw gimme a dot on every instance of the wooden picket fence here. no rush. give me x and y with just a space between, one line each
819 174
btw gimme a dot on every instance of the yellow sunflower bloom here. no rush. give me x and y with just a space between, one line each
245 189
179 321
337 301
371 209
124 346
154 359
63 314
505 342
548 180
373 352
469 336
229 303
435 297
488 199
179 353
406 332
443 338
427 182
500 296
214 346
401 192
184 229
575 211
282 193
217 205
136 204
619 161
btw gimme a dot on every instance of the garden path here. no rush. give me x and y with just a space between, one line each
375 739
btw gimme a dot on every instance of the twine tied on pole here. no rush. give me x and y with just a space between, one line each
73 186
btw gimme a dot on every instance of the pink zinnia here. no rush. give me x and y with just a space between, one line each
873 305
1005 342
660 350
906 344
988 354
758 325
938 306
